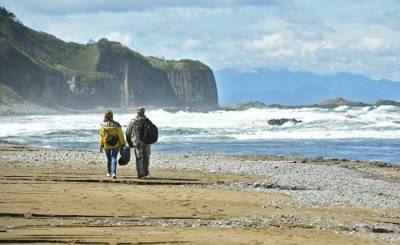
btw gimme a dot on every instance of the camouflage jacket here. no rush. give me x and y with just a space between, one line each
134 131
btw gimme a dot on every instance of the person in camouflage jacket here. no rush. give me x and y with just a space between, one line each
134 134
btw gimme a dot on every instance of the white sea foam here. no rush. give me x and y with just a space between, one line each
252 124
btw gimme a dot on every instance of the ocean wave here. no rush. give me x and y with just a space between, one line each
317 123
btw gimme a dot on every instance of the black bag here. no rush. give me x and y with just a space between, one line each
112 140
149 132
125 155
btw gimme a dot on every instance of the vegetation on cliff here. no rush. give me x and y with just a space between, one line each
35 63
8 96
184 64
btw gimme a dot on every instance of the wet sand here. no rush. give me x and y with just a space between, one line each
76 203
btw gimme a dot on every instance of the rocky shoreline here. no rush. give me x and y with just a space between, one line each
355 199
23 109
313 181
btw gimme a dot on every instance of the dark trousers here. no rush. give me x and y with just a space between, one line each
142 153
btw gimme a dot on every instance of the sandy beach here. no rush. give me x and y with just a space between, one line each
63 196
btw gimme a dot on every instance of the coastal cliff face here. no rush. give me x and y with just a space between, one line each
193 86
45 70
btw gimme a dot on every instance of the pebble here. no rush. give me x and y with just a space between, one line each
308 183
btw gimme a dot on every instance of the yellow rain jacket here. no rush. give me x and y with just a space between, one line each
111 128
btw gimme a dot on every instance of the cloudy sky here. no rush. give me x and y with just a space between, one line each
320 36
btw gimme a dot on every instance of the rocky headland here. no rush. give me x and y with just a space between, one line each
38 68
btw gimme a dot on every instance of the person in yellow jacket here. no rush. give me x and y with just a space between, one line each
111 139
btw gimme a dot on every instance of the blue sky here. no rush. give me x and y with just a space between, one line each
320 36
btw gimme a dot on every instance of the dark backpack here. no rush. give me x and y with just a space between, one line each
149 132
111 140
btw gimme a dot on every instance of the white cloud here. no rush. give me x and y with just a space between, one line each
318 36
280 53
191 43
272 24
288 45
273 41
78 6
368 44
124 38
310 47
313 47
373 44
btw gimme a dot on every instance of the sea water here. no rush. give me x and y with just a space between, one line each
367 133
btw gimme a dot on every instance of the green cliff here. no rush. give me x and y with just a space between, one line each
40 68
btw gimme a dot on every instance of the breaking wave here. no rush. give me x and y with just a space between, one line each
341 123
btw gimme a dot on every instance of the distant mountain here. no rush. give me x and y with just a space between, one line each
300 88
39 68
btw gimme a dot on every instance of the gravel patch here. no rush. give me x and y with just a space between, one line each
309 183
315 183
387 233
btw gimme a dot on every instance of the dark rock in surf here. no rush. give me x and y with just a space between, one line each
282 121
245 106
333 103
